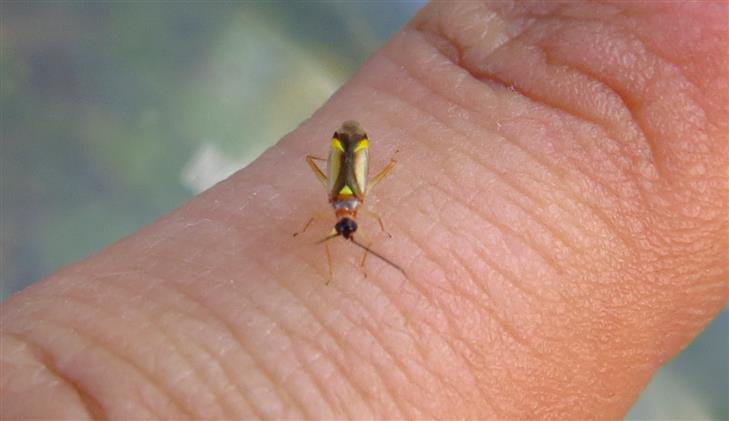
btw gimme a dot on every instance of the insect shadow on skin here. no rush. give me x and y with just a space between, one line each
347 184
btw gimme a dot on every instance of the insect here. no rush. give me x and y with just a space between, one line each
347 184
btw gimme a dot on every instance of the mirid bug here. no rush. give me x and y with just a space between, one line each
347 184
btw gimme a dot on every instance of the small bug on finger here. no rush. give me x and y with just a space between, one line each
347 183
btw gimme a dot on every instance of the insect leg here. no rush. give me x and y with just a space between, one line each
305 227
368 243
315 168
372 214
376 179
318 215
329 261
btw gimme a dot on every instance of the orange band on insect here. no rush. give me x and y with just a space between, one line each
347 184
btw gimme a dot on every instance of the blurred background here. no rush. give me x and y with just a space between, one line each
113 113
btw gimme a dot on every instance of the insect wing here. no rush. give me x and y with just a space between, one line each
335 168
348 162
360 167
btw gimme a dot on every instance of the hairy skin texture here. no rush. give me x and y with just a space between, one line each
560 206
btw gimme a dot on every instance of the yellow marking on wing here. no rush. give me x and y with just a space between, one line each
346 191
337 144
363 144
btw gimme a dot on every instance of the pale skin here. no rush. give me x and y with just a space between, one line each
559 204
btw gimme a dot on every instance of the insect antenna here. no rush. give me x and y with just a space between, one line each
376 254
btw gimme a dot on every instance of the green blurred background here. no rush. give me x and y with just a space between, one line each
114 113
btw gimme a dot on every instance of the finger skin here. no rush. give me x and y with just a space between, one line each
559 205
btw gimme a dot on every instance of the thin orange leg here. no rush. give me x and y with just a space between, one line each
329 260
376 179
320 175
368 243
372 214
305 227
319 215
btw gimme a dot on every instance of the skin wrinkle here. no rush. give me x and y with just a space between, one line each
381 370
506 275
230 329
310 312
481 73
624 100
604 185
498 411
331 333
93 408
543 253
382 343
512 184
553 230
628 103
188 359
423 250
321 327
615 92
503 177
547 101
306 369
444 380
91 342
149 375
427 23
363 394
168 338
511 332
432 301
618 24
575 197
502 227
219 361
512 278
390 388
390 300
552 58
506 326
199 374
259 361
343 371
473 212
464 342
